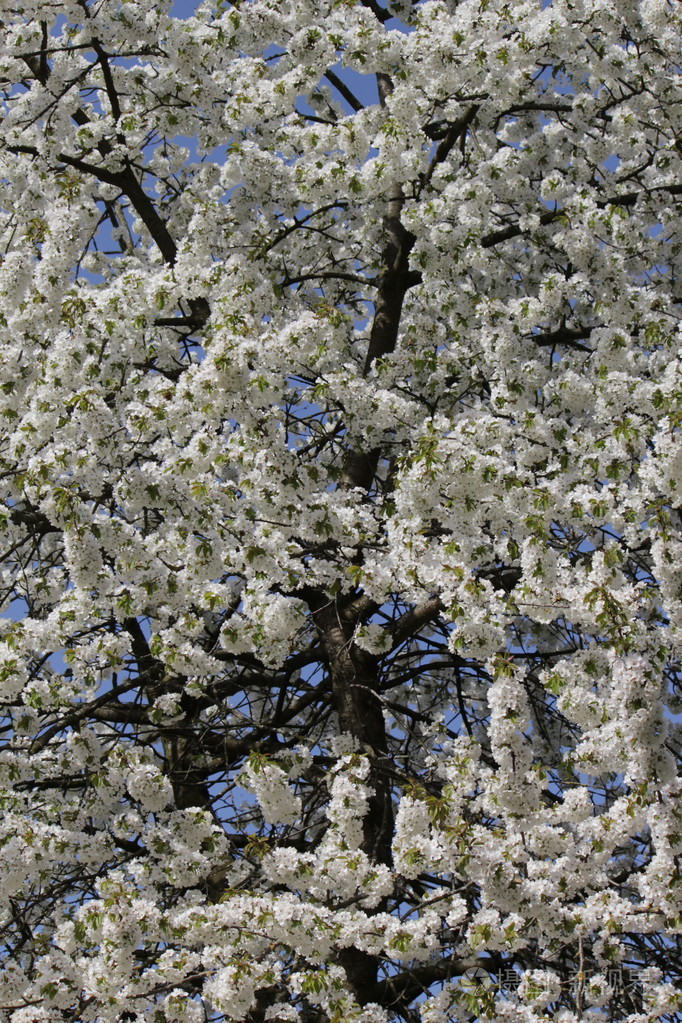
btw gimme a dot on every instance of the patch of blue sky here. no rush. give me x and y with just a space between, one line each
16 608
183 8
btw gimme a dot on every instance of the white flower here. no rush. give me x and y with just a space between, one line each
269 782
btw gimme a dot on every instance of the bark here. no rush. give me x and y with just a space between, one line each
355 685
395 281
180 753
354 673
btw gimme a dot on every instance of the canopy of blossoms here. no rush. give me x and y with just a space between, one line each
340 511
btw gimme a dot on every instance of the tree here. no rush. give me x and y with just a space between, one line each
341 515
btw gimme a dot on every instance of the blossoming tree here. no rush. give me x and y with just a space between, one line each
341 468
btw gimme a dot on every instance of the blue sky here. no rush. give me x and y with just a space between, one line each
183 8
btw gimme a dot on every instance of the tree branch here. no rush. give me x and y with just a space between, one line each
341 87
454 132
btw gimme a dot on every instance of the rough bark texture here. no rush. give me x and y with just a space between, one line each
354 675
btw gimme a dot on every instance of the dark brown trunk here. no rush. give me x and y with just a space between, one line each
358 705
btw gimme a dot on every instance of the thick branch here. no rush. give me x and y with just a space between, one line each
36 521
188 781
398 991
569 336
626 199
415 619
377 11
455 132
341 87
